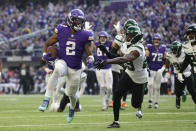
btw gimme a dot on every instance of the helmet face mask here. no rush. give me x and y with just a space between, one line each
102 39
133 35
103 36
191 33
157 39
76 19
176 48
129 22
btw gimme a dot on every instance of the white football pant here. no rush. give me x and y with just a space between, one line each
154 83
73 80
105 81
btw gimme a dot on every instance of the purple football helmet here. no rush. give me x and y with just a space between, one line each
103 34
156 39
76 19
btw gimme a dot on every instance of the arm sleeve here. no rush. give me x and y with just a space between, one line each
112 54
42 63
185 63
90 35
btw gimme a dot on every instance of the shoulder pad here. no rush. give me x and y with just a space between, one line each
186 42
119 38
89 34
59 27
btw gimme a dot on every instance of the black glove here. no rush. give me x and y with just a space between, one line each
98 64
42 63
149 74
102 48
146 91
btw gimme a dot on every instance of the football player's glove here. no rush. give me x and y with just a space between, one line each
102 48
87 25
180 77
117 26
98 64
48 57
89 63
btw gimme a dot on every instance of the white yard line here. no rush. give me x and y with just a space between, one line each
95 123
92 115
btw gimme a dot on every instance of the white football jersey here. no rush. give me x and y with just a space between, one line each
119 39
177 61
136 69
191 51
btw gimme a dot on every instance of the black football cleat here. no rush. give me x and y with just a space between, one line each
177 103
114 125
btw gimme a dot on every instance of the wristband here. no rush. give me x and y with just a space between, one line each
47 70
91 57
44 53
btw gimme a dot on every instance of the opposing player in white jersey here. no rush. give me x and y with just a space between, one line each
190 50
176 58
135 76
73 40
155 54
116 45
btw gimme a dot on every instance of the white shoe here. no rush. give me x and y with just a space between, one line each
139 114
54 107
104 108
156 105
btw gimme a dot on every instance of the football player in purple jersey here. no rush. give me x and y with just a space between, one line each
104 75
155 54
73 41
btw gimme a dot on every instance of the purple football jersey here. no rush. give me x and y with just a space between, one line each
156 57
102 55
71 45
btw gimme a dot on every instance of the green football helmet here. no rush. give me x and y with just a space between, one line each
176 48
191 29
133 34
130 22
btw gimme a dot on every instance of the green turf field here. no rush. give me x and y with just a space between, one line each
18 113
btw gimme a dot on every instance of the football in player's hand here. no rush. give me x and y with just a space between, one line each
52 50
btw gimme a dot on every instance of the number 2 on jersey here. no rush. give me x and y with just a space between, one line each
70 49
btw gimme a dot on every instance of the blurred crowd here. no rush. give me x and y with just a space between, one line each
167 17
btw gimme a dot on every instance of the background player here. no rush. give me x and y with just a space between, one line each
190 50
155 54
176 58
73 41
104 75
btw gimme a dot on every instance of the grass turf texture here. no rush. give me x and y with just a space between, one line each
18 113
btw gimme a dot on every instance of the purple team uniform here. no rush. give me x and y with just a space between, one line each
156 57
71 45
101 55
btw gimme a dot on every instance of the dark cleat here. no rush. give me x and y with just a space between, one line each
114 125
